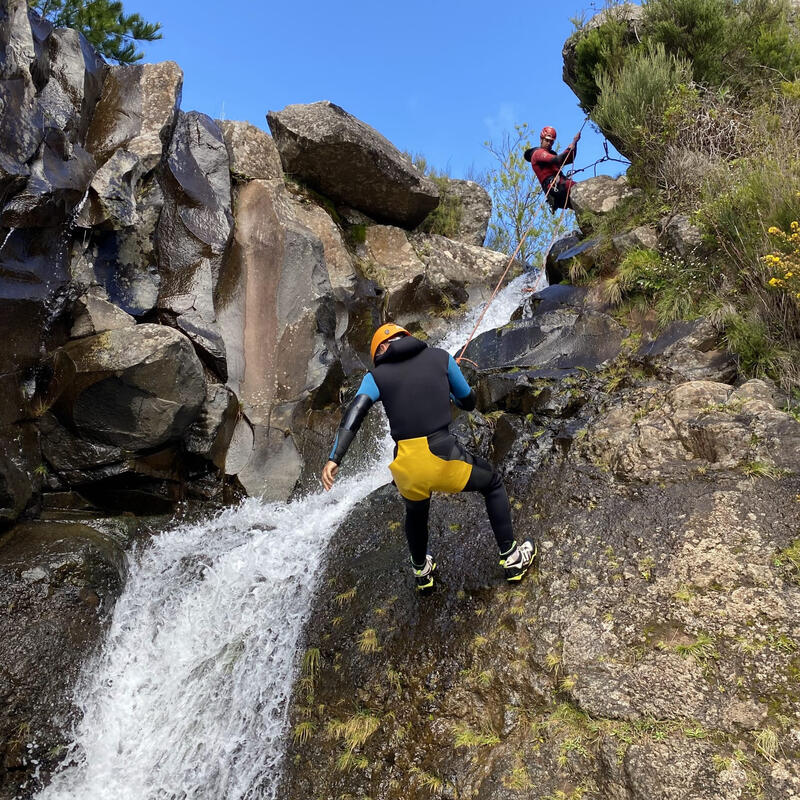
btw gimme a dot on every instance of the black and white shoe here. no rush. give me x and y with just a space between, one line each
518 560
424 576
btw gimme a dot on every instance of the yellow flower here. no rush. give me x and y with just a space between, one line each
788 275
795 225
773 281
773 230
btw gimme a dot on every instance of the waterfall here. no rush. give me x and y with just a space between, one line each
188 698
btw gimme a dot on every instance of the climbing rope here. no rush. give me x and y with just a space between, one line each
524 236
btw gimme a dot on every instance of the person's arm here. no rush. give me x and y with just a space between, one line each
365 397
463 396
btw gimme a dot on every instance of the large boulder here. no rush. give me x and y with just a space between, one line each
252 152
426 278
131 128
135 388
559 339
699 425
136 112
193 231
350 162
277 317
598 196
58 583
688 351
475 206
49 83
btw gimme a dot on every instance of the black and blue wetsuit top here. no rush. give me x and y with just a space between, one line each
416 384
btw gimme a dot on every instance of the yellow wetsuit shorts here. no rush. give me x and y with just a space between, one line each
434 463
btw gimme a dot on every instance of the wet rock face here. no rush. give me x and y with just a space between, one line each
60 580
559 339
136 113
135 388
346 160
646 659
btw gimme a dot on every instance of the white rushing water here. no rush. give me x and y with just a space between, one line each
188 699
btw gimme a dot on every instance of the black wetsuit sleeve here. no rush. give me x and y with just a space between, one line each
351 422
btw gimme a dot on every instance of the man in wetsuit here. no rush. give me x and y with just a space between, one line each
416 383
547 164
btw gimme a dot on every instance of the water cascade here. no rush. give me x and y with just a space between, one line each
188 698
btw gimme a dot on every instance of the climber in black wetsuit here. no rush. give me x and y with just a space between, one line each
416 384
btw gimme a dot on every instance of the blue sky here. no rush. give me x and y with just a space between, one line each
437 78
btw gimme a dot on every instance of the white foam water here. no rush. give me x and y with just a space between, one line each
188 698
499 312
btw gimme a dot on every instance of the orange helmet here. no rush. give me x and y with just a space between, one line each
549 132
383 333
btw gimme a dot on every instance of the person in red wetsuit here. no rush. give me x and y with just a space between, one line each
547 164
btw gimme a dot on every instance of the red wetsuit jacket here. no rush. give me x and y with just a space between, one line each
546 163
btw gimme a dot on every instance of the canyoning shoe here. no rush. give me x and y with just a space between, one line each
423 576
518 560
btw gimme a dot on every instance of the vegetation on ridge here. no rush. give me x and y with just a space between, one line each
104 23
704 98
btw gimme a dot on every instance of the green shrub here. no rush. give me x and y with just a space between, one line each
633 102
758 354
736 43
445 219
601 49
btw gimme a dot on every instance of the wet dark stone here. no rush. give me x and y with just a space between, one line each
561 339
58 583
20 459
207 339
58 180
553 297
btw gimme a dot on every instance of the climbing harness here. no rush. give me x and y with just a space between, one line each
553 182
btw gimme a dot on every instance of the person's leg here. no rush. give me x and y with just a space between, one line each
486 480
417 529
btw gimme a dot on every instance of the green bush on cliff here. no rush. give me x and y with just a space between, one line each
104 23
634 101
738 44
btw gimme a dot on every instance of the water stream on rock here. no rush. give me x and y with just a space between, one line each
189 696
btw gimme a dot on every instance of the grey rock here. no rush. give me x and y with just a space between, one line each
94 315
137 112
78 460
688 351
702 425
562 339
20 456
58 179
75 77
476 210
196 220
252 152
240 448
645 237
207 338
599 196
350 162
274 467
211 433
274 302
679 235
135 388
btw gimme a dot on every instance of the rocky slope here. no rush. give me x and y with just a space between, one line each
655 652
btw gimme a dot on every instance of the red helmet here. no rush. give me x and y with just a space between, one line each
549 132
